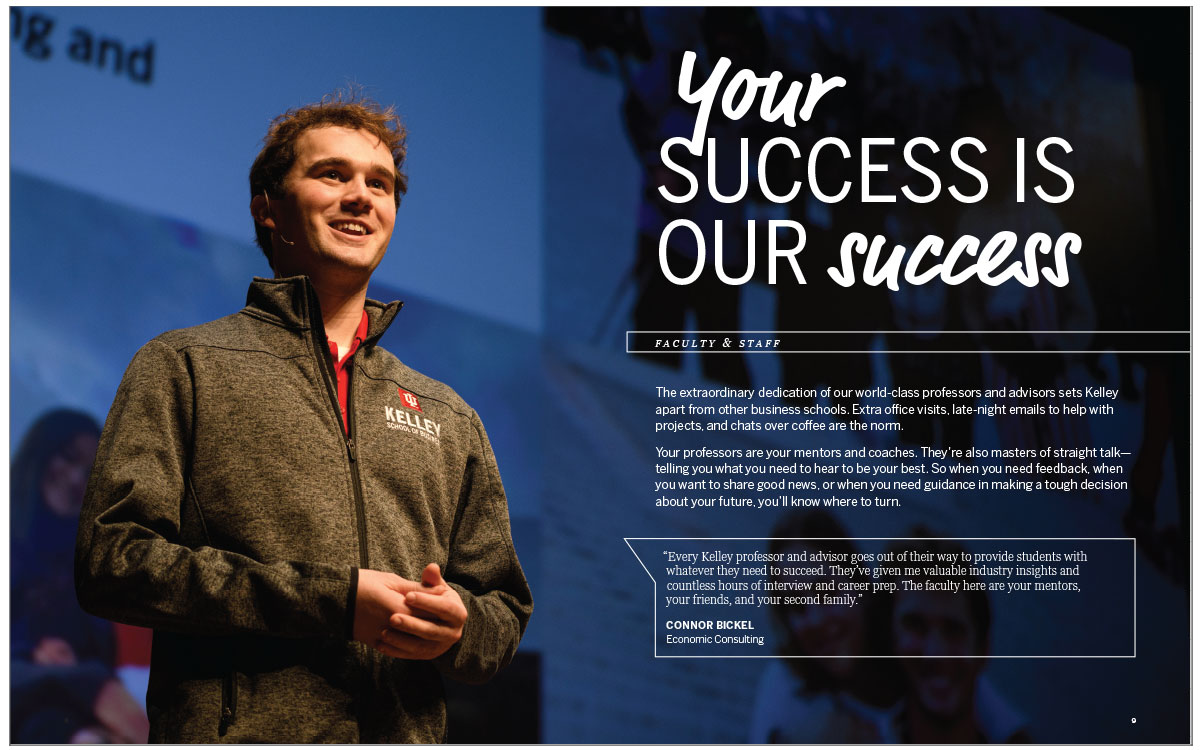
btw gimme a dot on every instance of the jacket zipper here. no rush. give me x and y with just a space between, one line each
325 364
359 505
228 702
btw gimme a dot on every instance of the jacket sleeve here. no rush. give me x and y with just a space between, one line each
484 569
132 562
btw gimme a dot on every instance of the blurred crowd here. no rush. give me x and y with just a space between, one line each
995 74
71 673
936 692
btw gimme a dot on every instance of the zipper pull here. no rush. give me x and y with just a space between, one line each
350 446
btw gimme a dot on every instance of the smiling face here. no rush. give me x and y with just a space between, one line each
338 207
66 475
933 624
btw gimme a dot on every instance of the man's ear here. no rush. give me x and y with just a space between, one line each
260 209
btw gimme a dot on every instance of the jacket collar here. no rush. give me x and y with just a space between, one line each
292 302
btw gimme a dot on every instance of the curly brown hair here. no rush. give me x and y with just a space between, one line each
346 108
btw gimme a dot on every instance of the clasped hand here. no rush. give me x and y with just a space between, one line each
408 619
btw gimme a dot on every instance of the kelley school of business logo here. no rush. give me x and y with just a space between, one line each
409 399
403 419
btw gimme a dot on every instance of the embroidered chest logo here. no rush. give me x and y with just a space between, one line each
409 399
404 419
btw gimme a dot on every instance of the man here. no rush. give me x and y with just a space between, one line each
947 699
313 529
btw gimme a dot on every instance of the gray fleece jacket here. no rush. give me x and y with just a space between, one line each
228 511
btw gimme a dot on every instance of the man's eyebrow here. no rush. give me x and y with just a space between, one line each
338 161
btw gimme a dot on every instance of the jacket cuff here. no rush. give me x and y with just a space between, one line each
476 656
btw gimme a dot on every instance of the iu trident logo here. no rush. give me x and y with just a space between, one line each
409 400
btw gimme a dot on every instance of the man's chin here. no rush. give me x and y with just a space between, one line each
341 264
943 700
354 256
839 666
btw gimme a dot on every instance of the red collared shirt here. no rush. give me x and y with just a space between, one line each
339 367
